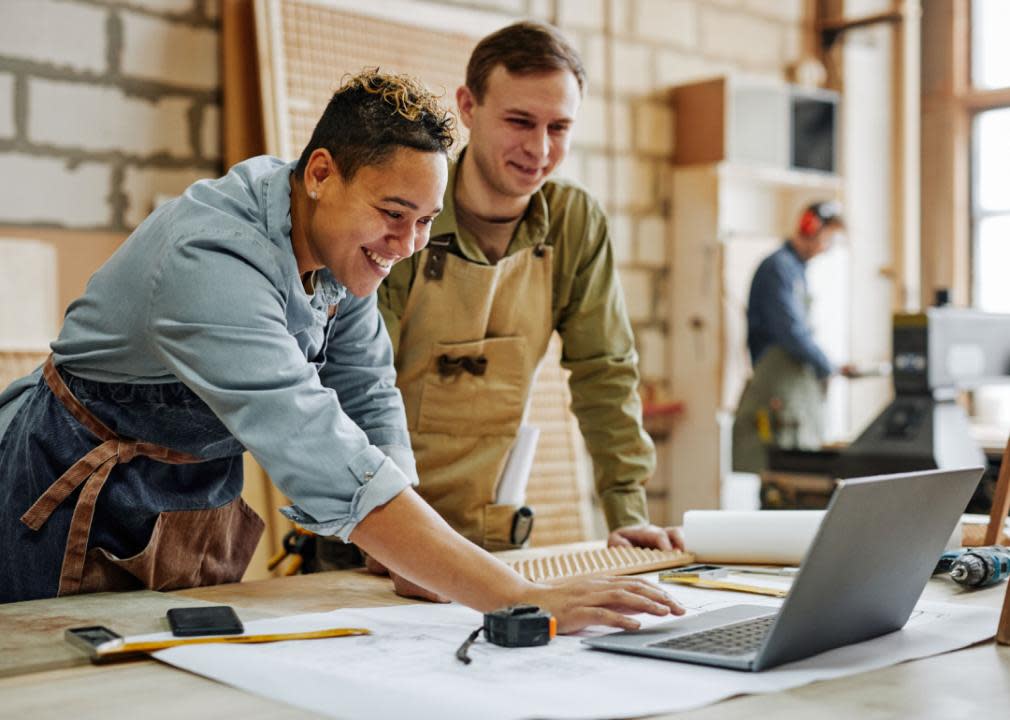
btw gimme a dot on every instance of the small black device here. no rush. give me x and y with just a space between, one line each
522 525
516 626
90 637
214 620
519 626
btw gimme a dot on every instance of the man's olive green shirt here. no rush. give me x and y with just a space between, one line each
588 312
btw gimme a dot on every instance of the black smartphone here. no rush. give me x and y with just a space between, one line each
213 620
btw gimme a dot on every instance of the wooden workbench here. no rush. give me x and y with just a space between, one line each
969 682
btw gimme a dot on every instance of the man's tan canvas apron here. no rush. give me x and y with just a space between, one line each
783 406
472 336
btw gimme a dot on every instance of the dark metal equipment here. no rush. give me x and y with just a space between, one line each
936 355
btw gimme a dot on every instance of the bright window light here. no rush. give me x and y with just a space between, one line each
990 51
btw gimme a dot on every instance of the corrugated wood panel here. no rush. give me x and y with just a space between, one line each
558 490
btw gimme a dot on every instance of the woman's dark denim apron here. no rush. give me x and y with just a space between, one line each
146 497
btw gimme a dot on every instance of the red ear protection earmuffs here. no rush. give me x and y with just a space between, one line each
815 216
810 223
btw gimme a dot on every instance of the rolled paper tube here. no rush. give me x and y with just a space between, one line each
775 537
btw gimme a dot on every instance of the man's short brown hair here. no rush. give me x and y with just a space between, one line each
523 48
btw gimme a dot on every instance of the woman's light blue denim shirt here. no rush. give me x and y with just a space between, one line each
207 292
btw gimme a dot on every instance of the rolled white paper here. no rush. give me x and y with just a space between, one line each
776 537
516 475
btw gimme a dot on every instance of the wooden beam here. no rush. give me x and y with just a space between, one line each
1000 501
978 100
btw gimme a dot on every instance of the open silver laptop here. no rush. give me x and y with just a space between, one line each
865 570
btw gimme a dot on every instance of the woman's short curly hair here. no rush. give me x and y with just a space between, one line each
372 114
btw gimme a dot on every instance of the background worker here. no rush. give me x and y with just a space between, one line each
240 316
783 402
516 255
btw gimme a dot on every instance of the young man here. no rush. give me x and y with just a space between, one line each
783 403
242 316
515 256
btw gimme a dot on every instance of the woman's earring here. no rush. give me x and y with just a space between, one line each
314 195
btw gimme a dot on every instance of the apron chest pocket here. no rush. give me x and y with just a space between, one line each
474 388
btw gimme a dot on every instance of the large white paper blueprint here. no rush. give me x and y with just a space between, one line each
408 668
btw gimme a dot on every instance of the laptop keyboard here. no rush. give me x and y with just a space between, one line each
737 639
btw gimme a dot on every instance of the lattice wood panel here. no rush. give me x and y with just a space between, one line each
305 49
314 44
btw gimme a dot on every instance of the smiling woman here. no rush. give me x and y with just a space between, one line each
198 340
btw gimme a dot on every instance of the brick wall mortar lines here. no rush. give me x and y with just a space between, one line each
8 125
147 39
200 13
69 36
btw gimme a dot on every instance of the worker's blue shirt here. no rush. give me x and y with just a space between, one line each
777 311
206 292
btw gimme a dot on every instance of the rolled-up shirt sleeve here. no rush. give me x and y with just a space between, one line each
359 367
229 343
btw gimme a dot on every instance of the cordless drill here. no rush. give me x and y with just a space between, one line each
976 567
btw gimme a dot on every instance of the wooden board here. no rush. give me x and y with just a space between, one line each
78 254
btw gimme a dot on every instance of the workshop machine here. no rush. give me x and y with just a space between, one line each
936 355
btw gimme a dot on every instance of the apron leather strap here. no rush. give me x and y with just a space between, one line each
438 248
92 471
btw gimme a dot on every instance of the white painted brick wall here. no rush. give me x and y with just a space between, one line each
210 131
651 344
571 168
591 125
651 242
582 14
56 33
632 70
170 52
624 125
792 43
676 68
637 286
141 185
634 184
672 22
513 7
620 17
593 50
621 236
653 128
541 9
745 39
786 10
7 127
174 7
86 117
50 191
597 179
